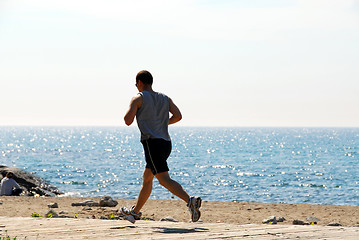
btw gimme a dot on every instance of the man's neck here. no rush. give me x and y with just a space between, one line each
147 88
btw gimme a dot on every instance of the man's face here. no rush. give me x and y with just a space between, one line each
139 85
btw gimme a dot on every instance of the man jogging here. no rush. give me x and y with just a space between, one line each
152 111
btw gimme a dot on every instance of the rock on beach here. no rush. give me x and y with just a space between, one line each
31 184
107 201
273 220
89 203
53 205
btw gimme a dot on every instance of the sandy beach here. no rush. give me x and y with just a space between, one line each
16 219
212 212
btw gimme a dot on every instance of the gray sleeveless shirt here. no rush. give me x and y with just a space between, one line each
153 116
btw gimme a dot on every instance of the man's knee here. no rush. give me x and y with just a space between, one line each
163 179
147 176
147 181
16 192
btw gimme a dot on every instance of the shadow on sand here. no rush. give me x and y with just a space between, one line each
179 230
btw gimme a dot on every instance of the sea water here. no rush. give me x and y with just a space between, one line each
292 165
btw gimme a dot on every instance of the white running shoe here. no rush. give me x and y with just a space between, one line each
130 214
193 205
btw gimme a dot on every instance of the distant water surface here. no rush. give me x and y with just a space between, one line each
293 165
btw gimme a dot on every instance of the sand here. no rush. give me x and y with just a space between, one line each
212 212
230 220
65 228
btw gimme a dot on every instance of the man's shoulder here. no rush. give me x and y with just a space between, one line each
163 94
160 94
5 179
137 98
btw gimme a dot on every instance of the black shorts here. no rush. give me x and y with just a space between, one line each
156 153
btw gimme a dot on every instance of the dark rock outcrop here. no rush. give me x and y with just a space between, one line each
107 201
30 183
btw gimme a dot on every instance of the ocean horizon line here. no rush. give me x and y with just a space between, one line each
186 126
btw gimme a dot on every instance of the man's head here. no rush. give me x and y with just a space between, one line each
145 77
9 175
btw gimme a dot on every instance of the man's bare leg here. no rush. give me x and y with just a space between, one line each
173 186
145 190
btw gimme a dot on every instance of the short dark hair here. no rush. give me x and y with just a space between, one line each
145 77
9 175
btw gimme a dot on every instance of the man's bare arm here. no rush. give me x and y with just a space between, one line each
135 104
176 113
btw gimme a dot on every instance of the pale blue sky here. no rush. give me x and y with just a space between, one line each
224 63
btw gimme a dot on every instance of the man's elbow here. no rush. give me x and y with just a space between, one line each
128 122
177 117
